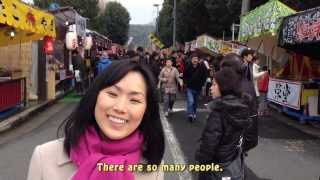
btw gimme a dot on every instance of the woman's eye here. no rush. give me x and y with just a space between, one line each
112 94
135 101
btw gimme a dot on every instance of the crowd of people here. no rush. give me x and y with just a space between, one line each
118 119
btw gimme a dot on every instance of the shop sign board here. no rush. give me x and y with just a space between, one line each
303 27
285 92
209 43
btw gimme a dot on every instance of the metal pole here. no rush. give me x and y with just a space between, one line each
174 23
232 35
245 6
157 19
233 31
223 36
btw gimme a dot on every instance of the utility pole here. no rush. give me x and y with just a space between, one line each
233 29
157 19
245 6
174 23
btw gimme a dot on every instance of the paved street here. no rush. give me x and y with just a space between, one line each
283 153
16 145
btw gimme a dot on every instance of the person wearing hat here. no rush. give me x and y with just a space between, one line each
195 76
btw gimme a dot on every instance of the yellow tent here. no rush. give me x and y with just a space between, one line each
20 22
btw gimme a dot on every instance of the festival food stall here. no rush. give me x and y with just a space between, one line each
94 44
71 35
300 34
231 47
258 29
208 45
20 24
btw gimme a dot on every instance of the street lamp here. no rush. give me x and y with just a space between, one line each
234 27
157 29
174 14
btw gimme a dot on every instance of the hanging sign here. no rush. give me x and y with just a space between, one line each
284 92
208 44
303 27
156 41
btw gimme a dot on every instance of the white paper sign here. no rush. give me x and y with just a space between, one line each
284 92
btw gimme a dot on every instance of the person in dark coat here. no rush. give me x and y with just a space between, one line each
104 62
79 71
194 77
142 57
221 139
247 67
235 62
155 65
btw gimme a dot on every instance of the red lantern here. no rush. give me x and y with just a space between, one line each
48 45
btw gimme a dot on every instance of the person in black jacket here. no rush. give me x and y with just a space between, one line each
235 62
194 77
221 139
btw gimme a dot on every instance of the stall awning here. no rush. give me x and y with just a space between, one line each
301 32
26 22
99 39
265 19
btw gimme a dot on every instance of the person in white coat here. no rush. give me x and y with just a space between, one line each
257 75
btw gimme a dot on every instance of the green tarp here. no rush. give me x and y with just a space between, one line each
265 19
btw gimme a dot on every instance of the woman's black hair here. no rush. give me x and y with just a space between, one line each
233 61
83 116
228 81
153 56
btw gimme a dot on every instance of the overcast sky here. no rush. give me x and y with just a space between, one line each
141 11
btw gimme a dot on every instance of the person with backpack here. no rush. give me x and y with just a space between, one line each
235 62
104 62
222 137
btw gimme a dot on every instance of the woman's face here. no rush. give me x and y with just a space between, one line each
215 90
120 108
168 63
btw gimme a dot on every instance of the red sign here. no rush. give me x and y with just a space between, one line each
308 30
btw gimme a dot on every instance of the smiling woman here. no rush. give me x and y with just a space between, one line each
119 110
117 122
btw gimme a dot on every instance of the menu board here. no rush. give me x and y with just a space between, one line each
303 27
284 92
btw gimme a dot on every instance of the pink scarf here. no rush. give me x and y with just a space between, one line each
91 149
